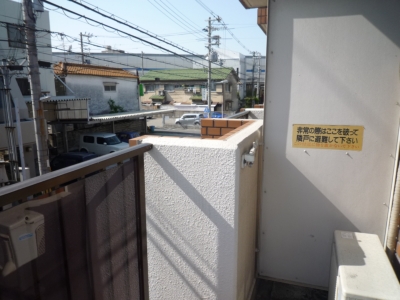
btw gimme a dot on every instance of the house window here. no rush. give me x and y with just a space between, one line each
16 36
110 86
169 87
24 86
227 87
61 90
149 87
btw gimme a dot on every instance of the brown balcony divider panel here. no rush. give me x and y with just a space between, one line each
88 239
110 197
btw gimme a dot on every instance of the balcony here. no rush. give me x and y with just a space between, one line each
88 231
76 233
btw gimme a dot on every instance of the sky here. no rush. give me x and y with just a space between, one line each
178 21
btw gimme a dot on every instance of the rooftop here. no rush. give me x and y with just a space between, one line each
63 68
186 74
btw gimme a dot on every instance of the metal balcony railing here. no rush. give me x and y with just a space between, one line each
240 115
77 233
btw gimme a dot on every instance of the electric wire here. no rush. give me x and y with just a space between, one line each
223 24
172 15
131 25
90 43
126 23
105 60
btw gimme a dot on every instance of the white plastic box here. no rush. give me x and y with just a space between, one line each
360 269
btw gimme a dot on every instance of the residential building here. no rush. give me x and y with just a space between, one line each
184 86
13 51
100 84
250 69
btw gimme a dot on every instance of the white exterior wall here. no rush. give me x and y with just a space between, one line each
126 94
329 62
201 209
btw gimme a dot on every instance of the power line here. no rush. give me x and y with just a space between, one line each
113 28
105 60
223 24
171 17
184 15
126 23
96 45
109 61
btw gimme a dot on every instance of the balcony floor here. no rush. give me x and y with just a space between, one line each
270 290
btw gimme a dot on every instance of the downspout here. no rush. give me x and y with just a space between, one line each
392 226
262 155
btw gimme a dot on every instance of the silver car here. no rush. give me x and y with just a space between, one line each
189 119
100 143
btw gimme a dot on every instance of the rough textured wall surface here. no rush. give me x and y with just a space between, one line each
192 203
190 222
256 113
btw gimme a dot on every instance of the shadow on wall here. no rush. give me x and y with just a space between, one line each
197 247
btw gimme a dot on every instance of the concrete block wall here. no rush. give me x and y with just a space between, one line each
221 128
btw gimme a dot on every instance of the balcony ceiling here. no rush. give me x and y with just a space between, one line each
254 3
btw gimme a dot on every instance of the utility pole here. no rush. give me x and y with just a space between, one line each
8 121
209 68
210 29
84 35
252 80
142 65
34 78
259 74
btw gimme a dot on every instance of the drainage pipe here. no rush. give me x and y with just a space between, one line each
392 227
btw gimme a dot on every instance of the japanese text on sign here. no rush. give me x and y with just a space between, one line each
337 137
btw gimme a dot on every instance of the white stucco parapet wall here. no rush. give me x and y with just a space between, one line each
201 217
256 113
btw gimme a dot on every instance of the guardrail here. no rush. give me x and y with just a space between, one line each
77 233
241 115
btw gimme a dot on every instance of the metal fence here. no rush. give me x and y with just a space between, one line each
77 233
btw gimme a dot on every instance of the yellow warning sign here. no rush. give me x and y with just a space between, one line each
336 137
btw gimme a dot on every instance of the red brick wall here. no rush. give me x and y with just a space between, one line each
221 128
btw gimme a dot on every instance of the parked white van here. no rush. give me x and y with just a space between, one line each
100 143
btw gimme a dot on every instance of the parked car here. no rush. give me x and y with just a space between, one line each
100 143
189 119
125 136
217 115
68 159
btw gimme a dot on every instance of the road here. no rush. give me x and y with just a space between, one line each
171 128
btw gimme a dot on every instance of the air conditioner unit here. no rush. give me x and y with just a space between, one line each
22 238
360 268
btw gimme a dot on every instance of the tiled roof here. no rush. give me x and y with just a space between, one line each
186 74
62 69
